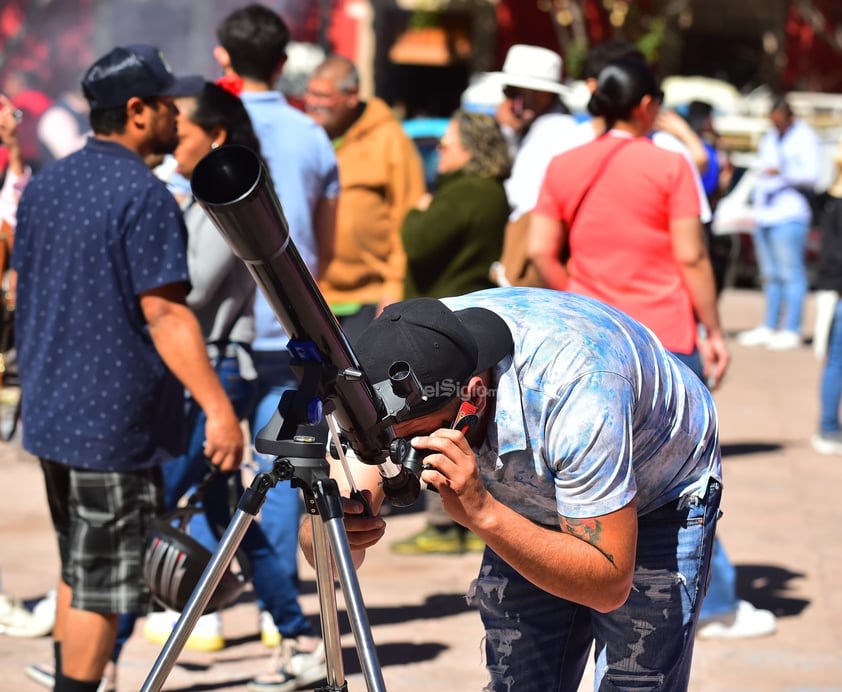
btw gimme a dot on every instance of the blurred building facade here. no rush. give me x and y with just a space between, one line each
420 54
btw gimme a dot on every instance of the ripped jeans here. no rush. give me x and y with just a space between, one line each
536 641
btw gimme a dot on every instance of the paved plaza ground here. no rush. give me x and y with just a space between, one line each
783 513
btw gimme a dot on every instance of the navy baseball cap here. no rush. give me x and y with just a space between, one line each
444 348
136 70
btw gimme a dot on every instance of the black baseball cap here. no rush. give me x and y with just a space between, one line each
137 70
444 348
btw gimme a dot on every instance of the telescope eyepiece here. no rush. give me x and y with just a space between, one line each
403 380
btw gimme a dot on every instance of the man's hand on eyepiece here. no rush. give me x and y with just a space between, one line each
451 467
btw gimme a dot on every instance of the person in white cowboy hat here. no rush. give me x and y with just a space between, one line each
531 78
542 127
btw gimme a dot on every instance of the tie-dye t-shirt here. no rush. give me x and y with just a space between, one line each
591 411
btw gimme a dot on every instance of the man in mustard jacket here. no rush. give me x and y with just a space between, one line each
381 177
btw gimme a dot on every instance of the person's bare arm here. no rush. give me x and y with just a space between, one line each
672 122
690 252
178 339
363 531
324 226
547 239
590 561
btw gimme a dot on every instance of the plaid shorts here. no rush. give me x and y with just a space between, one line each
101 520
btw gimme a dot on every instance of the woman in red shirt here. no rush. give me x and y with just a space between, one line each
617 219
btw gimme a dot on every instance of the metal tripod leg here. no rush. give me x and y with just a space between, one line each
324 496
208 582
331 527
247 510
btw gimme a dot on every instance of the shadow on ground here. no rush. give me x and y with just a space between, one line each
394 654
768 587
206 686
738 449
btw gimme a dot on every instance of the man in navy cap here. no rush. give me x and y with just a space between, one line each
106 346
592 472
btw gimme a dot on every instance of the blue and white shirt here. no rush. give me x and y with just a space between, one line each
95 230
591 411
302 163
797 157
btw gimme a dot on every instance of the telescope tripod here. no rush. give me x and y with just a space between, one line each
300 459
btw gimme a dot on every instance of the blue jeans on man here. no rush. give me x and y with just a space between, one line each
536 641
271 544
281 511
185 472
721 597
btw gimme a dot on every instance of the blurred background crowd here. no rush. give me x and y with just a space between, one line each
424 114
425 58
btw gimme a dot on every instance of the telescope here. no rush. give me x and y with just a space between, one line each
235 191
232 186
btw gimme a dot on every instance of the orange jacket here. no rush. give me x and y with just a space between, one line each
381 177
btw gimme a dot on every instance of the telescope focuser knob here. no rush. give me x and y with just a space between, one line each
399 449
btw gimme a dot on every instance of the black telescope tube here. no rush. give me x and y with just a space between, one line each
231 185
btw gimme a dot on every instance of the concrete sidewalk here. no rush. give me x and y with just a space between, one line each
781 529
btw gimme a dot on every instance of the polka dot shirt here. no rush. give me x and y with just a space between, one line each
96 230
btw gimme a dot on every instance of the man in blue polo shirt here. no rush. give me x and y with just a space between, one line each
106 344
302 163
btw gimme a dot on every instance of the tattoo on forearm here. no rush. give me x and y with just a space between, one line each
588 530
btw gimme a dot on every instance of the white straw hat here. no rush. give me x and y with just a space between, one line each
532 67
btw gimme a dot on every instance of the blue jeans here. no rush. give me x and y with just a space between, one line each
831 386
184 472
281 511
780 251
721 597
536 641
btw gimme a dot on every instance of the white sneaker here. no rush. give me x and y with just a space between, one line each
206 635
784 341
744 623
269 634
827 443
292 668
759 336
17 621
